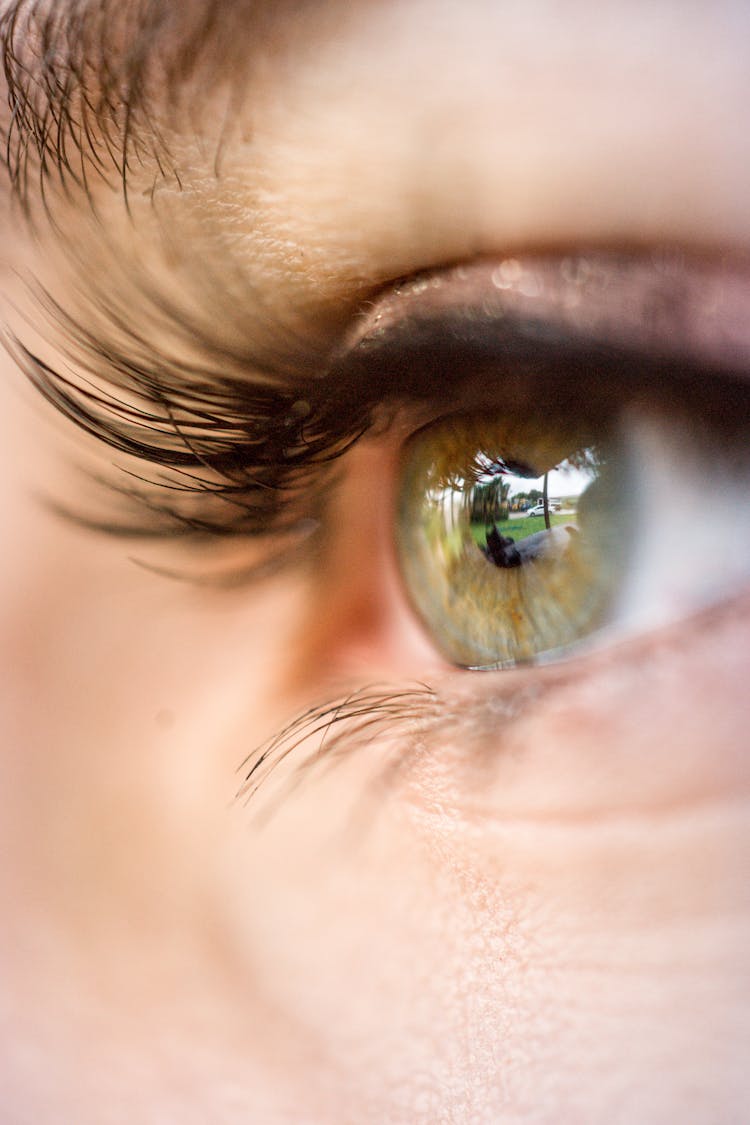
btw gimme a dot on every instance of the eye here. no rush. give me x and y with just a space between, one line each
621 381
522 535
498 586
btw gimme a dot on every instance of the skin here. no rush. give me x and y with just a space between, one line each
546 918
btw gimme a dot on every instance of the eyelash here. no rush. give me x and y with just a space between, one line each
230 457
420 717
340 726
245 458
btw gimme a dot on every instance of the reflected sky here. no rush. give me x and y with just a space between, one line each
561 482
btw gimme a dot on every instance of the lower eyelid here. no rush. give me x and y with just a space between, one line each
631 727
462 741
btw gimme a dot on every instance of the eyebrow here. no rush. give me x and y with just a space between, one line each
87 80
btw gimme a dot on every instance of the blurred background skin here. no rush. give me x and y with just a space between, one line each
553 929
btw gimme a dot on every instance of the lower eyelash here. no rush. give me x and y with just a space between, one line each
329 731
482 720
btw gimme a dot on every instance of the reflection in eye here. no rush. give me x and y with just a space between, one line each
518 540
512 538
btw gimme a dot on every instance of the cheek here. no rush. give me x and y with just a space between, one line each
554 908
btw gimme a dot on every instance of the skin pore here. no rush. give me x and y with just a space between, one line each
525 897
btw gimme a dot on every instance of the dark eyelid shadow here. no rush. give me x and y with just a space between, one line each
658 315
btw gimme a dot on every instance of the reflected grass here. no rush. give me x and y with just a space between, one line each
519 528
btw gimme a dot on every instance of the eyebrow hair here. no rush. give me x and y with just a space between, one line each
84 78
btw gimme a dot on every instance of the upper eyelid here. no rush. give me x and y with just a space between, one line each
420 342
653 307
663 305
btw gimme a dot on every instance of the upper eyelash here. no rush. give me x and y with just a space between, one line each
254 452
247 448
214 458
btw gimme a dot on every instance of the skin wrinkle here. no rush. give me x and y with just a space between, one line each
577 696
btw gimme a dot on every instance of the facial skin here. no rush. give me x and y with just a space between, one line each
526 898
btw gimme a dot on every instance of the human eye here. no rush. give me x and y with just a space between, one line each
617 378
609 471
622 377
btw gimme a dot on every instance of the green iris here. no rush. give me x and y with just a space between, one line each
512 536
